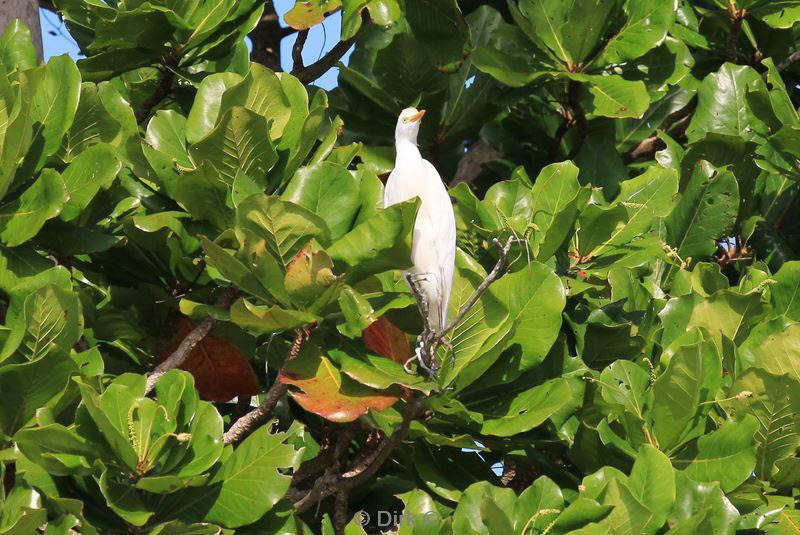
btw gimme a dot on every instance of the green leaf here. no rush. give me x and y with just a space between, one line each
526 410
645 197
379 372
646 26
441 25
701 508
626 383
93 124
535 298
379 243
32 385
124 499
485 320
54 103
532 504
16 47
557 199
785 292
705 211
468 516
92 170
21 219
206 106
204 192
652 482
261 93
613 96
264 320
721 105
330 191
681 394
232 269
53 320
773 346
269 225
239 142
510 57
775 402
727 455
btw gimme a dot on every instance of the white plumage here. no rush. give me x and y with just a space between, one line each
433 248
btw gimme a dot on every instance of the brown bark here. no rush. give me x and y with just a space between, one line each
28 12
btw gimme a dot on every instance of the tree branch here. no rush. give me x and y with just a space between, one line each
320 67
648 146
297 51
789 61
169 62
266 38
332 482
470 164
737 16
249 421
194 337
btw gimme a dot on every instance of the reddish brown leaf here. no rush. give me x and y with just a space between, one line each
328 393
384 339
220 371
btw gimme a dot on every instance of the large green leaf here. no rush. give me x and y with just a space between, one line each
21 219
16 47
92 170
535 298
775 402
330 191
774 347
785 293
681 394
441 26
727 455
32 385
613 96
526 410
557 199
645 197
652 482
239 142
379 243
206 106
53 320
270 225
705 211
261 93
646 25
721 105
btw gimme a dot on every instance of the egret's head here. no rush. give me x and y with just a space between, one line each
408 124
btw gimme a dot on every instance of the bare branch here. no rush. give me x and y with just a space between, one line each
490 278
318 68
297 51
249 421
194 337
678 120
340 518
789 61
737 16
470 164
332 482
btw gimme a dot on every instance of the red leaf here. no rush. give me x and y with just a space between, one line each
327 392
220 371
386 340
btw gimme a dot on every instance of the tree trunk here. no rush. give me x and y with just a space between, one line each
28 12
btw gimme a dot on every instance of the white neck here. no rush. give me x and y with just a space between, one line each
407 151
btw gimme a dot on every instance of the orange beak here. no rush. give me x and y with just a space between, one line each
416 117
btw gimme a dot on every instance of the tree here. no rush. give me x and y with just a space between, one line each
205 319
26 11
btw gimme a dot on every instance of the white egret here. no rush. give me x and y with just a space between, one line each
433 248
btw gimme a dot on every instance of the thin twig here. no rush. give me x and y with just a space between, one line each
249 421
490 278
332 482
194 337
737 16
